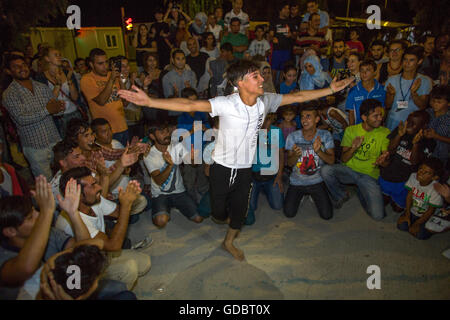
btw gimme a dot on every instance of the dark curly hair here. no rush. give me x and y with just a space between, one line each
91 262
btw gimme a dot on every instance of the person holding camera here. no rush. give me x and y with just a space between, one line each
100 87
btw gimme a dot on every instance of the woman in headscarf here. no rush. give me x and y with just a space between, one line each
198 27
313 77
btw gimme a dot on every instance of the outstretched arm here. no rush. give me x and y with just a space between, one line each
307 95
140 98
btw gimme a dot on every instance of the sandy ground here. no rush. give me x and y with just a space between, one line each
300 258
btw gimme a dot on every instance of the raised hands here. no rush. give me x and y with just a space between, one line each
138 97
71 199
128 159
402 128
382 158
416 85
167 158
357 142
390 90
317 144
418 137
339 85
131 193
44 196
297 150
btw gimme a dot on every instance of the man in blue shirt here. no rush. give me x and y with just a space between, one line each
367 88
267 176
312 6
337 63
308 150
408 91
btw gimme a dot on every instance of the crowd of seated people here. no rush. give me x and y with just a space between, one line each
98 162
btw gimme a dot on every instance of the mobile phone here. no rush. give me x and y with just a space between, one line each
117 63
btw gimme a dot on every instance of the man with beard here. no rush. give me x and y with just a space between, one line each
364 149
377 52
337 63
126 265
167 186
31 105
241 115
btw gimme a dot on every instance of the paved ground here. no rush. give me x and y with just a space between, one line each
299 258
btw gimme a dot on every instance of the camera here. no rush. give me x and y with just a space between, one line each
117 63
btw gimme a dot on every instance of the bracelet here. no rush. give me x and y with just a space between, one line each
332 90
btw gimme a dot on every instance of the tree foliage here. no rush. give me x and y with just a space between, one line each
431 15
16 17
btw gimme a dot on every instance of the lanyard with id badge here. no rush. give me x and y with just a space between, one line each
403 104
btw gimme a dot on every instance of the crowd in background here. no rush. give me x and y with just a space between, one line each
98 161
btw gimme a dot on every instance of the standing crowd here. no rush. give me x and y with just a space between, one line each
99 161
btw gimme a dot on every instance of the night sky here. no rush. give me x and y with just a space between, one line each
107 12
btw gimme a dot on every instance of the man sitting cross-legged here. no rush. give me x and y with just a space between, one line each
126 265
364 148
167 183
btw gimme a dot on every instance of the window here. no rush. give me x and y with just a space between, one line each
111 40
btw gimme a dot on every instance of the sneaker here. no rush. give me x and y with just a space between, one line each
446 253
147 242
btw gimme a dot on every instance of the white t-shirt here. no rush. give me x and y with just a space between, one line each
259 47
216 31
239 126
214 53
55 186
6 185
93 224
245 21
155 161
423 196
124 179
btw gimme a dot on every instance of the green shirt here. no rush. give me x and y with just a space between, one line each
236 40
375 142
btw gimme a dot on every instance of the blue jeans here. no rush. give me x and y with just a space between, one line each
123 137
423 233
112 290
274 197
369 191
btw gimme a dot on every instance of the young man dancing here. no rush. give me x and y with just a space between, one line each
241 115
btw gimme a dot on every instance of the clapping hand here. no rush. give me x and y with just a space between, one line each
402 128
297 150
390 90
128 159
382 158
418 137
131 193
317 144
44 196
71 199
416 85
357 142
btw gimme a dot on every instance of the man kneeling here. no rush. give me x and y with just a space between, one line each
364 148
167 183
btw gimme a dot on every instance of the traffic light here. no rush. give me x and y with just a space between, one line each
129 24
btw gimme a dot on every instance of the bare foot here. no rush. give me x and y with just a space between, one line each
238 254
